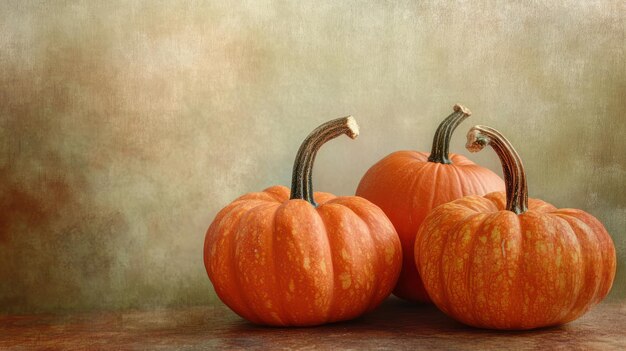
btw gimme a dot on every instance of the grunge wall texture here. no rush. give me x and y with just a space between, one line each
125 126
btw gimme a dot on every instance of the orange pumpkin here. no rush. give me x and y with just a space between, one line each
406 185
504 261
305 259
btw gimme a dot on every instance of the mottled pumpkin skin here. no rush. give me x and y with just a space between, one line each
282 262
406 187
491 268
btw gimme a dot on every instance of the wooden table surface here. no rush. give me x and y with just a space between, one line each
396 325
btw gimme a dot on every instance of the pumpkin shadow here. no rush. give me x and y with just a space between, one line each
393 324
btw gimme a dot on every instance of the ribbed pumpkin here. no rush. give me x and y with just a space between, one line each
504 261
302 258
406 185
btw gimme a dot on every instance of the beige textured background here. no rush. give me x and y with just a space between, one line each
125 126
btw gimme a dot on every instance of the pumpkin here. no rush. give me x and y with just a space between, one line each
406 185
299 258
504 261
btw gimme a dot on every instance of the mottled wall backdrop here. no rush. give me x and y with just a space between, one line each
125 126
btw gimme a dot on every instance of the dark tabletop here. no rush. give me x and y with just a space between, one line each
396 325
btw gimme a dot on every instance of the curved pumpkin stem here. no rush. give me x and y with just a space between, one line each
441 142
514 175
301 178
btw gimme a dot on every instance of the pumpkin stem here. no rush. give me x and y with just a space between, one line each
441 141
514 175
301 179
